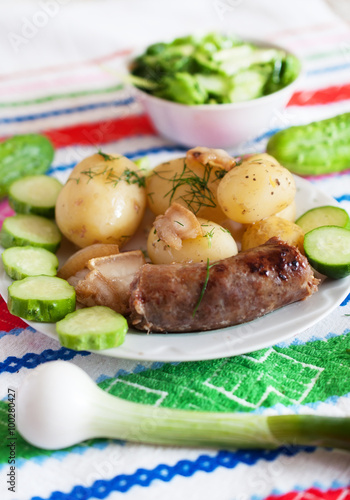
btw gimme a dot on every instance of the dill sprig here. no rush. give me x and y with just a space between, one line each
209 235
129 176
203 288
197 195
106 156
220 173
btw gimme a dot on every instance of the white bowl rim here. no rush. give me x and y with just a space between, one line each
229 105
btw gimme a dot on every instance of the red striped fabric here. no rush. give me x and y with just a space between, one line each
7 321
100 132
314 494
106 131
328 95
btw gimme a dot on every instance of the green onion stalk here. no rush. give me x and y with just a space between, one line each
59 405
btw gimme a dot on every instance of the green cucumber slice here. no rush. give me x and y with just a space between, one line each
21 262
41 298
23 155
328 250
34 194
30 230
324 216
97 327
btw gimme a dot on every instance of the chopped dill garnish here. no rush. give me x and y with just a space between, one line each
178 222
105 156
74 179
197 193
220 173
209 235
224 230
203 288
129 176
132 177
145 254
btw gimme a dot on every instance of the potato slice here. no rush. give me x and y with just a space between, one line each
79 259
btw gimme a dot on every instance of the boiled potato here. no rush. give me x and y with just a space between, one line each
215 244
288 213
191 184
258 233
263 157
103 201
255 190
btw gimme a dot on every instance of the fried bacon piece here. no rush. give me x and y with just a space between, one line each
106 280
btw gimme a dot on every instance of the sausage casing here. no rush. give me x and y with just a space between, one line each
195 297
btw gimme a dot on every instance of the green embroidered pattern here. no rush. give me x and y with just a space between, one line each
291 375
298 374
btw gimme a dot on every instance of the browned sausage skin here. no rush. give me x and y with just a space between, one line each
166 298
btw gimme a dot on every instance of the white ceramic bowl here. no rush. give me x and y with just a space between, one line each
216 125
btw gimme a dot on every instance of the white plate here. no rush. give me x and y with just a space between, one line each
263 332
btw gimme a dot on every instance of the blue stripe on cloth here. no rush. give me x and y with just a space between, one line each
66 111
328 69
16 331
131 155
185 468
344 197
127 101
31 360
137 369
346 300
314 338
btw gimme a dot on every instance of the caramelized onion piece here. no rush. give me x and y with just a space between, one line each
177 224
214 157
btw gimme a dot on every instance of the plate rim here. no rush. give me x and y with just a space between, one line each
227 337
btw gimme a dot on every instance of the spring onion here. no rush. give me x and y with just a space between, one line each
61 406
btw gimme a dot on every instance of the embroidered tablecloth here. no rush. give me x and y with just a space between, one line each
59 67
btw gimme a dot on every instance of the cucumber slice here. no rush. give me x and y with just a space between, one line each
97 327
21 262
35 194
323 216
23 155
328 250
30 230
41 298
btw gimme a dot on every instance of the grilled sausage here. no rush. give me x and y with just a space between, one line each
195 297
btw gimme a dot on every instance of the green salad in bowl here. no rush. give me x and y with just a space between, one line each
213 69
214 90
